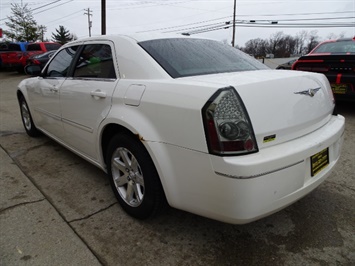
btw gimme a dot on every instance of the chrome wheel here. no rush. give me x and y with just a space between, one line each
26 116
133 177
127 177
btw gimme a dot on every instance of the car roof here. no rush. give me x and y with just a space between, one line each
137 37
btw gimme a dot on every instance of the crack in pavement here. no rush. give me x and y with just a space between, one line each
92 214
20 204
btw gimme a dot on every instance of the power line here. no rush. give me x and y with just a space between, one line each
297 14
46 5
307 19
52 7
49 22
259 25
253 15
228 24
189 24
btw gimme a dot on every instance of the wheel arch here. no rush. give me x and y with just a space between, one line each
20 94
114 128
107 134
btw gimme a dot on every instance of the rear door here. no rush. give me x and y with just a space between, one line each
86 97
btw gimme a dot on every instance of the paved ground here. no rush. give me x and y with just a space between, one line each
57 209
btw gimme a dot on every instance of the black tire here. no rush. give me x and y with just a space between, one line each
27 120
134 178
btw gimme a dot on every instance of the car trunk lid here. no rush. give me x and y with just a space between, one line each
281 106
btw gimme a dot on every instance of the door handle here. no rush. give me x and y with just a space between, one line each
54 89
98 93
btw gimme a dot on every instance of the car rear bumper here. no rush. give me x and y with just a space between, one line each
242 189
11 65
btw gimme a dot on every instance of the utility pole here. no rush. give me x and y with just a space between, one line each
235 4
103 17
88 12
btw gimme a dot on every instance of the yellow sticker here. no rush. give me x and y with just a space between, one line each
269 138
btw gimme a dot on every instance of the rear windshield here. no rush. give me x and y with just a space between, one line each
182 57
52 46
339 47
14 47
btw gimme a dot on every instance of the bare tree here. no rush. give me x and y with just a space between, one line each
312 42
282 45
255 47
274 42
300 39
333 36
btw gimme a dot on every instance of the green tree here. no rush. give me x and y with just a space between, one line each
22 26
62 36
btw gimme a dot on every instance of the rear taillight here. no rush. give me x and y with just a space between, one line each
227 125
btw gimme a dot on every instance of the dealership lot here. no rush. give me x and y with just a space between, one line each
56 208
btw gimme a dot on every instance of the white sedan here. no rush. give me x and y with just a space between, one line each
187 122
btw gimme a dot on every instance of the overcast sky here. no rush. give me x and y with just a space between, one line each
178 16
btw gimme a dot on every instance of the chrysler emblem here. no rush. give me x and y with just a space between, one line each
309 92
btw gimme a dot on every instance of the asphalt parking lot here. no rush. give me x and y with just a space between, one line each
57 209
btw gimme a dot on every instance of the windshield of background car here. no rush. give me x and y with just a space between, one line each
181 57
339 47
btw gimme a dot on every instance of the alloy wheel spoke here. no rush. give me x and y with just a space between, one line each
139 179
124 156
121 180
134 164
129 192
119 165
136 191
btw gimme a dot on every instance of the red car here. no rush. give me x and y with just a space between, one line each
18 59
336 60
10 52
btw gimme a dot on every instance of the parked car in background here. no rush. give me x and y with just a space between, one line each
3 48
17 59
37 48
11 53
336 60
286 65
40 59
187 121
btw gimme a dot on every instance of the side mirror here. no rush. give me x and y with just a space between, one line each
33 70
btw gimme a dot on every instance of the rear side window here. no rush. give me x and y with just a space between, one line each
60 64
182 57
95 61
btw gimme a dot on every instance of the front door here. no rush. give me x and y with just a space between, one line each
46 95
